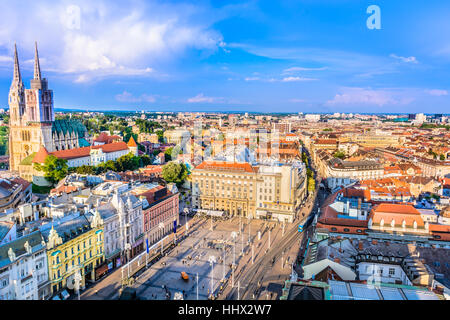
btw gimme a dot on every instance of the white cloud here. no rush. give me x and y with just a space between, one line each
285 79
297 69
379 97
437 92
125 38
405 59
202 98
291 79
128 97
6 59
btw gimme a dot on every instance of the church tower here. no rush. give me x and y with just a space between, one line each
16 101
32 115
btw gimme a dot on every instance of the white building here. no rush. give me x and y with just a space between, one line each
312 117
23 269
89 156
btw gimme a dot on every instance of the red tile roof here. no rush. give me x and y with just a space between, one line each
104 137
132 143
41 155
227 166
396 208
85 151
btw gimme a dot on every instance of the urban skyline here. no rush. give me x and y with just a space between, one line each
295 56
219 158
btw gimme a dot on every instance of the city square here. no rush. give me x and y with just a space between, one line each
194 253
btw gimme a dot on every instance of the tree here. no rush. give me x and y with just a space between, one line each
54 169
175 172
305 158
84 169
442 157
160 134
339 154
145 159
311 184
127 162
168 154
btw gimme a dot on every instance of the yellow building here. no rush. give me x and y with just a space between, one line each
74 250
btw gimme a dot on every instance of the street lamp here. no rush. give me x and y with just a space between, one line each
186 211
233 235
249 226
224 258
242 242
161 227
212 259
253 253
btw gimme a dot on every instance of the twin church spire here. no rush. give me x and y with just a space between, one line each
17 77
37 66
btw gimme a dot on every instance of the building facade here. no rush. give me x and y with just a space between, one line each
240 189
74 249
23 269
32 119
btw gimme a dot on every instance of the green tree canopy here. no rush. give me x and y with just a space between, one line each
175 172
54 169
311 184
84 169
339 154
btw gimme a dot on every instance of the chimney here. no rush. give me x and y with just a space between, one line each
337 260
374 241
360 245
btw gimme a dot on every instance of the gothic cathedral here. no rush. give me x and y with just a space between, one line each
32 120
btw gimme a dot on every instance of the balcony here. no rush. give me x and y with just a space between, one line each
26 278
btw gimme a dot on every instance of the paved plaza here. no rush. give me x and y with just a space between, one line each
193 256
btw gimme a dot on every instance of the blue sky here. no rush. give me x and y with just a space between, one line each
269 56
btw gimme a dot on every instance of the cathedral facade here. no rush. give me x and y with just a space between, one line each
32 120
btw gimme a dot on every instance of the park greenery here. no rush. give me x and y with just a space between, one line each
54 169
4 132
175 172
339 154
127 162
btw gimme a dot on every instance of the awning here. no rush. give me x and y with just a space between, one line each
101 270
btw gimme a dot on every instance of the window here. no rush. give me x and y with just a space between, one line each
333 229
391 271
346 230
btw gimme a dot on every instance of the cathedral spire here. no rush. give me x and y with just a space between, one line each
17 77
37 66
